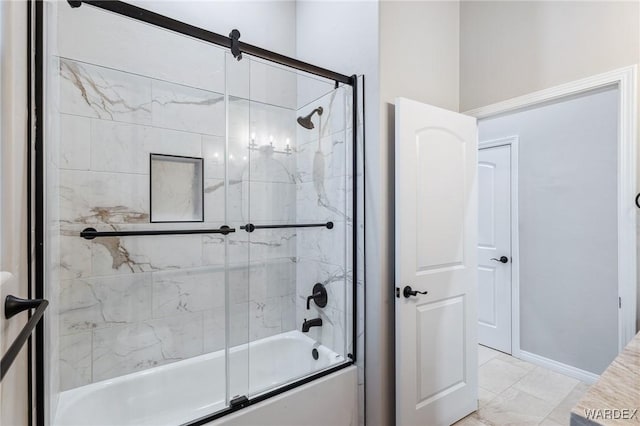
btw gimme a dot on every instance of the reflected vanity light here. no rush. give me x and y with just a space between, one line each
253 146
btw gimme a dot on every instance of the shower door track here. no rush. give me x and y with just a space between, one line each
35 30
158 20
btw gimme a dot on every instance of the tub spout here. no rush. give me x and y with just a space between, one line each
306 325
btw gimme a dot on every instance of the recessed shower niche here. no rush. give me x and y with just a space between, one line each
177 188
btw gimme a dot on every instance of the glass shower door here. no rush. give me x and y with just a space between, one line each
297 181
135 185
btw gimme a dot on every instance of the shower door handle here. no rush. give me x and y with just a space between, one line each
91 233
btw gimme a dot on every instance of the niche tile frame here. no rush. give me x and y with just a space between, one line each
197 192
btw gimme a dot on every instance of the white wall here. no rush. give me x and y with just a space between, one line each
567 193
270 24
13 219
509 49
343 36
419 59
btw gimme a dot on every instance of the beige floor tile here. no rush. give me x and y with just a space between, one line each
470 420
514 407
497 375
486 354
549 422
485 396
546 385
562 412
515 361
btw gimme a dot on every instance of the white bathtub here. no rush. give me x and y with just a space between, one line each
176 393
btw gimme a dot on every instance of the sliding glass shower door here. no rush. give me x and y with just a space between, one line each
198 216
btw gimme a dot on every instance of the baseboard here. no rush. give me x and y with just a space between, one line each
567 370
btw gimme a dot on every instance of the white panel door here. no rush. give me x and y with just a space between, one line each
494 247
436 248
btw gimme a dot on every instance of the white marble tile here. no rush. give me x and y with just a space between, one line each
214 252
323 245
125 148
185 108
514 407
214 329
239 323
75 142
272 278
322 200
310 272
239 283
92 91
134 347
187 290
264 123
546 384
288 312
333 117
75 360
320 161
269 202
75 255
267 165
124 255
264 318
271 244
214 200
486 354
497 375
213 151
144 49
96 197
93 303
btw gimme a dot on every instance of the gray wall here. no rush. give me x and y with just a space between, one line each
508 49
568 227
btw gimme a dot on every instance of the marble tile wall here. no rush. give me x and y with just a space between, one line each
130 303
323 191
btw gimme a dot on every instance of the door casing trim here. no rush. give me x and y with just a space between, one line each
625 79
513 142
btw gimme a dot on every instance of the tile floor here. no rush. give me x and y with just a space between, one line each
515 392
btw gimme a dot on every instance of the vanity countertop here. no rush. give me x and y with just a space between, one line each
617 390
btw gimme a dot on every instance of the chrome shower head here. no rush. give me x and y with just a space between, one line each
306 120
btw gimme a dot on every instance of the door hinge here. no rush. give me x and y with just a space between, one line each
619 302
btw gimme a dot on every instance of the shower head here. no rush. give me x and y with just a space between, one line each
306 120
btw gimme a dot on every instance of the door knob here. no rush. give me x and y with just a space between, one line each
408 291
503 259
